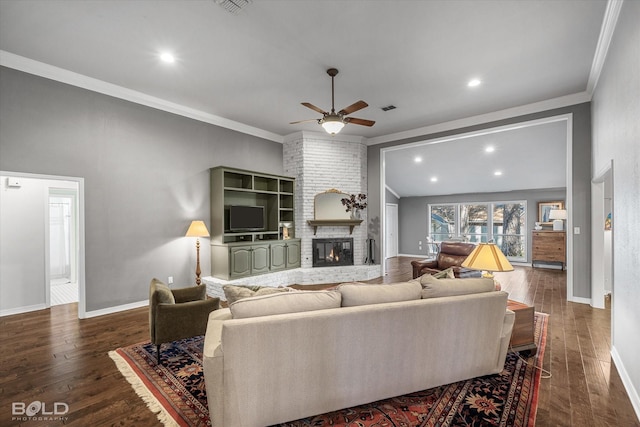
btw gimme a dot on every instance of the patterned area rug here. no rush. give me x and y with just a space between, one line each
176 392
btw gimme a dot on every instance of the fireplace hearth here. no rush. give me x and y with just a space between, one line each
332 252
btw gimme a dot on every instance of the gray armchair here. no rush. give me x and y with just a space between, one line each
175 314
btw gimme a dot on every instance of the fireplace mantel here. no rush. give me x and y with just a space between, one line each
315 223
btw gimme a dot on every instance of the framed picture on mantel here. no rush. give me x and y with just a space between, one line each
544 208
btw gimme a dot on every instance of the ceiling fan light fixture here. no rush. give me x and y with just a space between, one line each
333 122
332 125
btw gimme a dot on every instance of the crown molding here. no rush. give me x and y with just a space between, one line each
17 62
392 192
609 22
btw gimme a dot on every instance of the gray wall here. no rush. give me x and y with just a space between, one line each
616 137
389 197
146 177
413 216
581 190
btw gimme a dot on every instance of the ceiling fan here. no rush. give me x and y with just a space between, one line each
333 122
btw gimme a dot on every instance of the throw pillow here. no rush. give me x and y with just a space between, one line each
162 294
285 302
354 294
445 274
434 288
234 293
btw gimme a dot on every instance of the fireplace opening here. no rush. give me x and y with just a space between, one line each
332 252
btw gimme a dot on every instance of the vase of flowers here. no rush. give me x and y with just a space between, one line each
354 204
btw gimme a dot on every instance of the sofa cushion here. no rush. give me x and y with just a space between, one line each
354 294
284 302
234 293
434 288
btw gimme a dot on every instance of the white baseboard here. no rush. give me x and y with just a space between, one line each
626 381
116 309
20 310
580 300
425 256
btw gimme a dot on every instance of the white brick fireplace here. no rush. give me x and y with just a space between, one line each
320 162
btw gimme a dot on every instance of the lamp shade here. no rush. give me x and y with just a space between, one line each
558 214
197 229
487 257
332 125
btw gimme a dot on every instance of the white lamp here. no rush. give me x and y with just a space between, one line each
197 229
558 216
332 124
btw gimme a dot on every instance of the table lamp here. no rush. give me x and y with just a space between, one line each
197 229
558 216
488 258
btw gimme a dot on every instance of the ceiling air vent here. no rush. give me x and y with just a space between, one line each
389 107
233 6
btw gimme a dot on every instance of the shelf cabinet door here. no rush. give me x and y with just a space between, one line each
278 256
240 261
259 259
293 254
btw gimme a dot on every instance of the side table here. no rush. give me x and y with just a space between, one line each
522 339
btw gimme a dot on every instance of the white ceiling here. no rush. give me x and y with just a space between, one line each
252 69
531 157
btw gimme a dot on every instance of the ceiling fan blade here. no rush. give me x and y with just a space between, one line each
303 121
314 108
363 122
353 108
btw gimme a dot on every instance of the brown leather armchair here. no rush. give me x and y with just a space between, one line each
452 254
175 314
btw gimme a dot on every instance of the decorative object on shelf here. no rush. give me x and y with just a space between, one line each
545 208
197 229
328 205
354 204
558 216
488 258
538 226
285 230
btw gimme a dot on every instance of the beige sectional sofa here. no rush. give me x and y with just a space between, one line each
280 357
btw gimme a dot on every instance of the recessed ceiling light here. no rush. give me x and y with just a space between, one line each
490 149
434 179
474 82
497 173
167 57
417 159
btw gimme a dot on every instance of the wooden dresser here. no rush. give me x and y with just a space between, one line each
548 246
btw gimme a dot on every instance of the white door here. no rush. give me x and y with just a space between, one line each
391 229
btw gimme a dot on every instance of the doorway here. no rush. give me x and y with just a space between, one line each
391 229
603 222
63 246
565 141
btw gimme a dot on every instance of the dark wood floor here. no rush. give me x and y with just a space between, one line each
51 356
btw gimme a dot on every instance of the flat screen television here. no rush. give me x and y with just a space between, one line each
246 218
